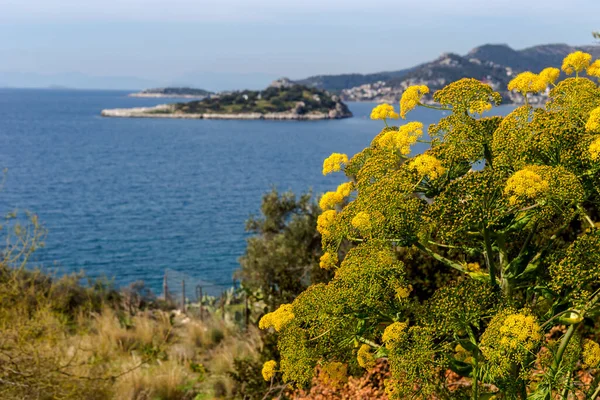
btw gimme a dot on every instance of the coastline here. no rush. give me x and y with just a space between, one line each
167 111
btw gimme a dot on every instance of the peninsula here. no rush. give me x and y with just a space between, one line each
179 92
282 100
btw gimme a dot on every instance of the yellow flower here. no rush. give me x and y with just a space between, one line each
268 370
362 221
427 165
324 222
345 189
328 260
278 318
473 267
331 199
334 374
334 163
591 353
411 98
479 107
595 149
593 122
403 292
384 111
403 138
365 357
525 183
522 328
549 75
527 82
594 69
576 62
393 333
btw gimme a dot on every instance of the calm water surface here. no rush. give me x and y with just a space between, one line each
128 198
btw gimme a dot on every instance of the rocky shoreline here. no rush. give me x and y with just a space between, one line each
168 111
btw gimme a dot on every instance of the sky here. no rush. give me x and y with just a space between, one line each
211 42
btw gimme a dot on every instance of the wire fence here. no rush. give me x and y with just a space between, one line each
177 285
201 297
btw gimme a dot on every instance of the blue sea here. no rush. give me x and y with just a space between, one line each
128 199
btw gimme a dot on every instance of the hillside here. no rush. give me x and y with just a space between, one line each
283 99
492 63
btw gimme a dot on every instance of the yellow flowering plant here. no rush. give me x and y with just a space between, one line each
506 207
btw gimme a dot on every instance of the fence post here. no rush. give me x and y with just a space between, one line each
165 287
246 311
223 306
201 301
183 295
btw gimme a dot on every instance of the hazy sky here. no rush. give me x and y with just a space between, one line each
165 39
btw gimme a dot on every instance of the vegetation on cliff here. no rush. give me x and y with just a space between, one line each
291 98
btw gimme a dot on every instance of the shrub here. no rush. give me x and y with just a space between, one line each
508 204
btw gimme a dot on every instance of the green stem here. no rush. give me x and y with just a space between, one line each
367 341
586 216
489 257
475 390
435 107
561 349
439 257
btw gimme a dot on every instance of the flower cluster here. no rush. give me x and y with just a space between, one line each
576 62
403 138
334 163
510 339
549 75
594 69
528 82
365 357
402 292
269 369
591 353
479 107
277 319
328 260
325 221
465 94
427 165
594 149
593 122
362 221
526 183
331 199
411 98
384 111
334 374
393 333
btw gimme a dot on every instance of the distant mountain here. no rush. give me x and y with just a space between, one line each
345 81
495 64
73 80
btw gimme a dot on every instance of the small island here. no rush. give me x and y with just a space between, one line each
181 92
282 100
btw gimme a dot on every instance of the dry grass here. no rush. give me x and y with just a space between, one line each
102 353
